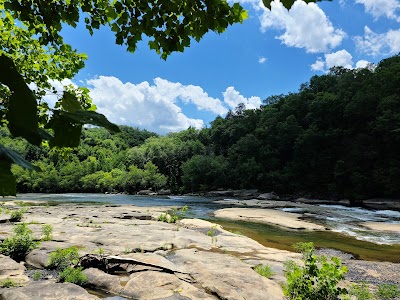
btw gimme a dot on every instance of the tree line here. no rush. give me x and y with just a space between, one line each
338 136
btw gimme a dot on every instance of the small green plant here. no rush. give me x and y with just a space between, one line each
212 233
63 258
387 291
173 215
360 291
100 251
47 230
184 209
73 275
318 279
37 276
8 283
264 270
19 244
16 215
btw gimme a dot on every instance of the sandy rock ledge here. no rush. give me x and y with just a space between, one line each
145 259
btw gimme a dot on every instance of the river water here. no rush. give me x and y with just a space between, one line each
345 232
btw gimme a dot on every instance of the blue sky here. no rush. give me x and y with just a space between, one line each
272 52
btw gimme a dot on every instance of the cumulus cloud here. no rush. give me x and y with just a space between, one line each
304 25
340 58
232 98
319 65
361 64
262 60
155 107
374 44
382 8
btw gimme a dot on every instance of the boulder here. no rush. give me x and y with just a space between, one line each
246 194
100 280
46 290
10 267
146 192
164 192
220 194
226 276
268 196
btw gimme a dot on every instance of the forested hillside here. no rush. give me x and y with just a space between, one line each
338 136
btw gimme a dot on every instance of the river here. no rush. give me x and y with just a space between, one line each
345 233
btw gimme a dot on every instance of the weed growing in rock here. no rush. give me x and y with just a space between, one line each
19 244
317 279
8 283
100 251
37 276
173 215
264 270
387 291
47 230
360 291
16 215
73 275
212 233
63 258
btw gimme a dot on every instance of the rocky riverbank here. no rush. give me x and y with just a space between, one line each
160 260
149 259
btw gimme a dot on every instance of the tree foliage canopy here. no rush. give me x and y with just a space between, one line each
33 52
337 137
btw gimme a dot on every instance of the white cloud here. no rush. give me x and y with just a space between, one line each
305 26
340 58
361 64
379 8
262 60
232 98
153 107
319 65
378 44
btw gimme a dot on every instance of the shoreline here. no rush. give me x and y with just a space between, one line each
209 253
268 216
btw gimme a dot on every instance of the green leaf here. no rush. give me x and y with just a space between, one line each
8 185
115 27
16 158
288 3
22 109
91 117
70 102
45 135
66 133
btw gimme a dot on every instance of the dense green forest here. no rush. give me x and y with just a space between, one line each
338 136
